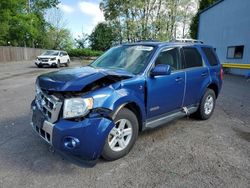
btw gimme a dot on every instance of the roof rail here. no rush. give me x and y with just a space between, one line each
148 40
188 40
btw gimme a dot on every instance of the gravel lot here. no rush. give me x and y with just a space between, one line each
184 153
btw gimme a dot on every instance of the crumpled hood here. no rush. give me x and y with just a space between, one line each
75 79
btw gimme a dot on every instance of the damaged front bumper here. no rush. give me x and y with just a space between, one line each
78 140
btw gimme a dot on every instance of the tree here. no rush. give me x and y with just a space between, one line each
186 13
195 21
58 37
22 22
102 37
82 40
147 19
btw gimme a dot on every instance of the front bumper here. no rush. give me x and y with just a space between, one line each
49 63
90 132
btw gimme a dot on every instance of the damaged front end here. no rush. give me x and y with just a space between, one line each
67 112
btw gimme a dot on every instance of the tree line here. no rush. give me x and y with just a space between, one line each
27 23
162 20
148 19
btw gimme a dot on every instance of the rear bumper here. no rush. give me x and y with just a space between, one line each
90 135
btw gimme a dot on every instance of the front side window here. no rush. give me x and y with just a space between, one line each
235 52
192 57
132 58
169 56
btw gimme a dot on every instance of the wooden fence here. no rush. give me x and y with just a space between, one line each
9 53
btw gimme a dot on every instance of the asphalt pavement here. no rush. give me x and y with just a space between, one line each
183 153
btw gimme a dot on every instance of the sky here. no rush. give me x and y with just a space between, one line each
81 16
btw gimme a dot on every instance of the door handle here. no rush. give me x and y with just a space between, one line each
204 74
178 79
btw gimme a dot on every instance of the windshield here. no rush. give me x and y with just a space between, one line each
51 52
130 58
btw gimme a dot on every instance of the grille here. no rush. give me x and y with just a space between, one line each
49 105
43 59
45 135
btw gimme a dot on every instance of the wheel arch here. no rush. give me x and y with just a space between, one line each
135 108
137 111
215 88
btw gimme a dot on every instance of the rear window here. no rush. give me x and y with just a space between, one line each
209 52
192 57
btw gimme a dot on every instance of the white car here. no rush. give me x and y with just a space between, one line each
53 58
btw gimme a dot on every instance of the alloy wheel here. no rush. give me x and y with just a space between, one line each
120 136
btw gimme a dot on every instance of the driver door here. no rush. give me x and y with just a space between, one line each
165 93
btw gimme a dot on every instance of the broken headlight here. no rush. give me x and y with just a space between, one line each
77 107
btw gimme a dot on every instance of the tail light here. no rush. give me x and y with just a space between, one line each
221 72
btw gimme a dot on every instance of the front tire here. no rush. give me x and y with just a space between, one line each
122 137
58 64
207 105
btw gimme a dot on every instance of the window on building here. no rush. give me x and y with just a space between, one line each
211 57
192 57
235 52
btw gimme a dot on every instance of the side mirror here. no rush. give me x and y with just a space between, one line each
160 70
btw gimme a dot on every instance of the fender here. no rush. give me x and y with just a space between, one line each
203 88
115 99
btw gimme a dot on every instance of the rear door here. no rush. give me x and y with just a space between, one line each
61 57
165 93
197 75
214 63
64 57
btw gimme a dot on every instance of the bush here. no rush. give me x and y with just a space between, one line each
86 52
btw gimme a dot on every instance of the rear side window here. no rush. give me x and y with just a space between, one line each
209 52
192 58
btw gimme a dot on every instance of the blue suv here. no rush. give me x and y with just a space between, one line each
98 110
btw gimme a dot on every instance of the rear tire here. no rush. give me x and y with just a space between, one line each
122 137
67 64
207 105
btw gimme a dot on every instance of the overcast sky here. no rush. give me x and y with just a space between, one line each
81 15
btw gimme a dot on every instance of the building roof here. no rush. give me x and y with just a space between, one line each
211 6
